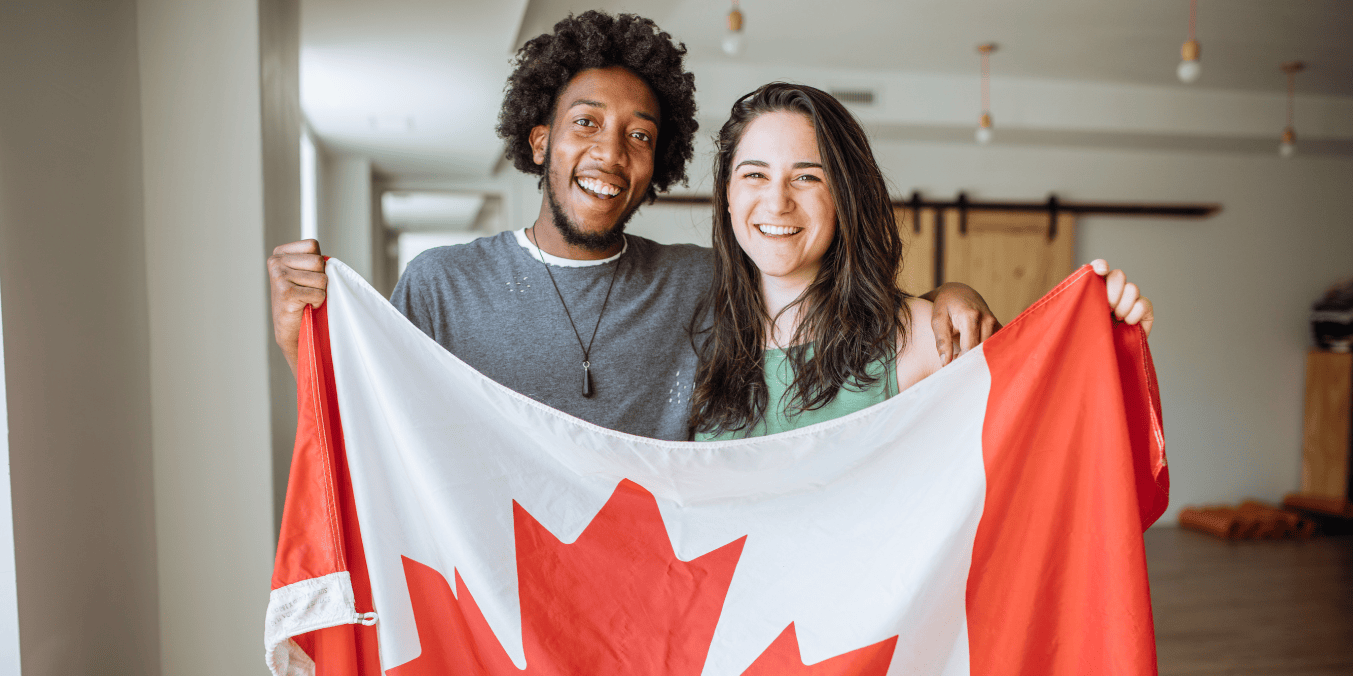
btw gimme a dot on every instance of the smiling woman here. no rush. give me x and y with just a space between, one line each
780 205
807 322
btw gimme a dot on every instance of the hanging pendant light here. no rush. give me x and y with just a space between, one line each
732 40
984 132
1288 147
1189 66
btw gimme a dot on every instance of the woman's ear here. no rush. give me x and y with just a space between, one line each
540 143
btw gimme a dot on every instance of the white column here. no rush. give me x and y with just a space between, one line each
280 52
76 348
345 211
206 237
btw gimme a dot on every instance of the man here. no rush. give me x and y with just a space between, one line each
571 311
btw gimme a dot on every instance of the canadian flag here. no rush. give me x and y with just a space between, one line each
986 521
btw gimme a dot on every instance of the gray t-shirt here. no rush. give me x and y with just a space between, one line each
491 304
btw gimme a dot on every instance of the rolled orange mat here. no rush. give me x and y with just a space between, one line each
1252 520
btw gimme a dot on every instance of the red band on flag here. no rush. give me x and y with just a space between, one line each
1058 583
320 534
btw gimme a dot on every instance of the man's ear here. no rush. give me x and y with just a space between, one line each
540 142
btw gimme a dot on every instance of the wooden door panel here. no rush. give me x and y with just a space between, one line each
1008 257
917 275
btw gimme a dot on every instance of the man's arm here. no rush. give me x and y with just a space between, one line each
295 279
961 319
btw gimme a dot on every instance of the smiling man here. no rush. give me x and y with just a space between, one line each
570 310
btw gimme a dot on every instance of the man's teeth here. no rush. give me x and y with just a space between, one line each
777 230
598 188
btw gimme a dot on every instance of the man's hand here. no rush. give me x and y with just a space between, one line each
295 279
961 320
1125 299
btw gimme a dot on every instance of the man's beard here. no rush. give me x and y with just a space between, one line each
574 235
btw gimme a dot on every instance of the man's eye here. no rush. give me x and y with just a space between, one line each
582 121
642 136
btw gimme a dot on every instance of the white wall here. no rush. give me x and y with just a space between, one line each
76 340
1116 112
206 238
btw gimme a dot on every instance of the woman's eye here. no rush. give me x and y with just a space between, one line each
807 177
753 174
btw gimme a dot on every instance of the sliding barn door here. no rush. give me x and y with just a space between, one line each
917 275
1012 258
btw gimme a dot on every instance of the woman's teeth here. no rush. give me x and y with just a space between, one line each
777 230
598 188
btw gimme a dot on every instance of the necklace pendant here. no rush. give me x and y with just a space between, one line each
587 379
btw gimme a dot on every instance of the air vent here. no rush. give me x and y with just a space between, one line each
854 97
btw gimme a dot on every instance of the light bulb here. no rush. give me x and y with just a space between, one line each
732 40
1189 65
733 43
1189 71
1288 147
984 133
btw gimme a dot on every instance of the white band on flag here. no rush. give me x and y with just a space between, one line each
305 606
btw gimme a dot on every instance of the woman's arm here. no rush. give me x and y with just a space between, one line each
916 359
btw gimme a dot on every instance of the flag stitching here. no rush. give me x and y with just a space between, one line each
329 501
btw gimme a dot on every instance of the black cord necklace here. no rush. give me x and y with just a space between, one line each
587 350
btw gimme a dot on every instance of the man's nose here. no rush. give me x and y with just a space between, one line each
608 148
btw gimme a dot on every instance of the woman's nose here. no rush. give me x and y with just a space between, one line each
777 198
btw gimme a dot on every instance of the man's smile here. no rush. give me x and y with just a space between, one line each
598 188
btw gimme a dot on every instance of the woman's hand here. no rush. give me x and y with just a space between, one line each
961 319
1125 299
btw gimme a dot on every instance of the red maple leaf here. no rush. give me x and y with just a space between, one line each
616 601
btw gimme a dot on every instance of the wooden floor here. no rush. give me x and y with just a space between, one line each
1251 608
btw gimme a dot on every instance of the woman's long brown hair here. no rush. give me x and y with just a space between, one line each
853 314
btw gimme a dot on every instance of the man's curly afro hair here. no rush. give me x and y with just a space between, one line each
546 64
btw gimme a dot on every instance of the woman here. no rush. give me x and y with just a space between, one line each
807 322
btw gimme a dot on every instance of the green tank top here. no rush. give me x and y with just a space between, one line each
779 376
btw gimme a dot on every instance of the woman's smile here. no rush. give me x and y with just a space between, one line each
778 231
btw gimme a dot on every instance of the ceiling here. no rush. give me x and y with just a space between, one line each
416 84
1135 41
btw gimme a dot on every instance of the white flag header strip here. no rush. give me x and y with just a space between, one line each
857 530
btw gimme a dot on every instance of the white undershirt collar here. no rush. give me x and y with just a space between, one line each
541 254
